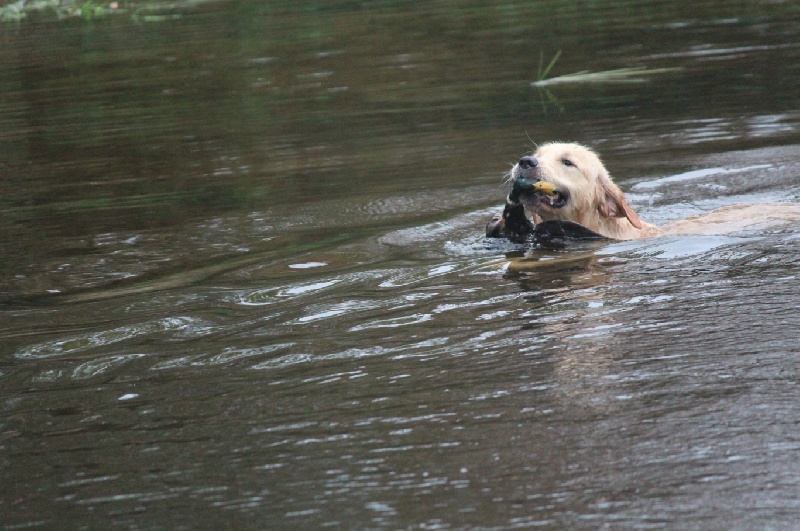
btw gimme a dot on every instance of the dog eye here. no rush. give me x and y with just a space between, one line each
567 162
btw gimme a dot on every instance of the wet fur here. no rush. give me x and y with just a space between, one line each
594 201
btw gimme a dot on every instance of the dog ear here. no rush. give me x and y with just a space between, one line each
612 202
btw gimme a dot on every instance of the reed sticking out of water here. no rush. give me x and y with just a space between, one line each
636 74
542 74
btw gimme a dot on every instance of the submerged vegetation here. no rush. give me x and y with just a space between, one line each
145 10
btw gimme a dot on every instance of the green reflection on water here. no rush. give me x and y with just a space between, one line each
240 107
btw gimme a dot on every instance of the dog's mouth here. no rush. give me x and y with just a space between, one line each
556 200
535 192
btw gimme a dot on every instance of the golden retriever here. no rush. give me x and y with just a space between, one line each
585 194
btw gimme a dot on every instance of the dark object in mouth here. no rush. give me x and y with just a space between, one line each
529 186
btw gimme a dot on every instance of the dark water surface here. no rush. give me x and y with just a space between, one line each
243 279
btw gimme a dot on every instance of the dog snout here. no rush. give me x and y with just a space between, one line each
527 163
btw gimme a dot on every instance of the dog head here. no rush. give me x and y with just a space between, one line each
584 192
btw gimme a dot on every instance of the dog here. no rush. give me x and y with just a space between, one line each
584 194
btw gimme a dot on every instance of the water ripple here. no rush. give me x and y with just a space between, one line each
177 326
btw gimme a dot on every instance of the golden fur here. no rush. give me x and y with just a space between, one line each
594 201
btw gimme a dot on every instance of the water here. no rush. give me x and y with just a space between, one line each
244 282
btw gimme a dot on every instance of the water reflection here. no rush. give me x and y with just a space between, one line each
243 271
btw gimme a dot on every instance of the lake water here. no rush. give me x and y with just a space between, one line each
244 282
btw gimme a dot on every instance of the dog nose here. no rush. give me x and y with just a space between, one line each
527 163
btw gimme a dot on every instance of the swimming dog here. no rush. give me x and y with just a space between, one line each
583 192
